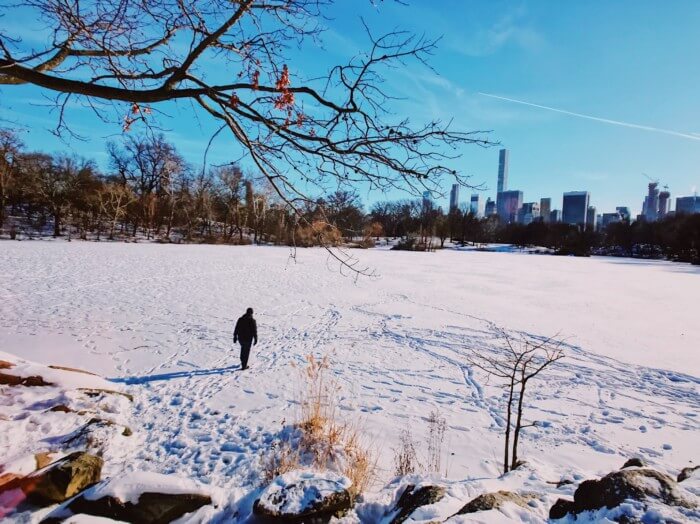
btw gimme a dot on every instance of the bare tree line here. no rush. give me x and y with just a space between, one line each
148 192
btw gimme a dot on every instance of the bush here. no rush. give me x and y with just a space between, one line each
319 440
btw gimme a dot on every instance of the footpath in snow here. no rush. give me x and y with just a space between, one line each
157 321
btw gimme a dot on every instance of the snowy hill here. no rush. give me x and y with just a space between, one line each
157 321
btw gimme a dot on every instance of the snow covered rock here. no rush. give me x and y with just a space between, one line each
305 496
638 484
60 480
137 497
413 498
686 473
11 379
488 501
561 508
634 462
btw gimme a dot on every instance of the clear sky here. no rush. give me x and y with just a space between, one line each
633 65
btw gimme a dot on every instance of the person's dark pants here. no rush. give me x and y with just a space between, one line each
245 352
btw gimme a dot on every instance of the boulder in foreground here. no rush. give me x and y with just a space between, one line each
413 498
137 497
304 496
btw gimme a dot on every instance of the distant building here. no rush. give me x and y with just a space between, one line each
590 217
664 204
502 170
490 208
454 197
475 205
575 207
610 218
555 215
651 202
545 208
688 205
528 212
508 204
625 213
427 200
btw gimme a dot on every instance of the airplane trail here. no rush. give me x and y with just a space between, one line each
597 119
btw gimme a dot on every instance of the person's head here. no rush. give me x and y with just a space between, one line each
249 311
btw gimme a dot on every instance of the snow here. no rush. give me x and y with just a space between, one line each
128 488
302 489
157 320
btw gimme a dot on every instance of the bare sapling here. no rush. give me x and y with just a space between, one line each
437 425
516 361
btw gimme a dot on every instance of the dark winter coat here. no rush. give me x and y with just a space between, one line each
246 329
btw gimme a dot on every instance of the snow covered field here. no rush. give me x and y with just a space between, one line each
158 320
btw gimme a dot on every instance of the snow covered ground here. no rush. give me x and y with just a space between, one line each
158 320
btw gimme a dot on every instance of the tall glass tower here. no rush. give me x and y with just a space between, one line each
502 170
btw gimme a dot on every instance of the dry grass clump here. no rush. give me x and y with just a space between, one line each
406 460
322 441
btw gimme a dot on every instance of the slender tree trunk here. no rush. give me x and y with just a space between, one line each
56 224
518 423
506 448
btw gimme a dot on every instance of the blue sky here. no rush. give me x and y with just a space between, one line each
627 61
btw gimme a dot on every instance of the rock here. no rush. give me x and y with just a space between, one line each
96 392
304 497
74 370
7 478
4 364
487 501
561 508
686 473
43 459
636 484
59 480
151 508
634 462
14 380
411 499
94 434
62 408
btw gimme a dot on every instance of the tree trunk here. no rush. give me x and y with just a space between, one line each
516 433
506 448
56 224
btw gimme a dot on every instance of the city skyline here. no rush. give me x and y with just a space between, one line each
521 53
665 198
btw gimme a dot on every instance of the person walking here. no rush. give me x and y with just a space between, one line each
246 333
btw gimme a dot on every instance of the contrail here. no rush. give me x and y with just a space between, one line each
598 119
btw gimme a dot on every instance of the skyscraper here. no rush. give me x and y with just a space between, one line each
490 208
664 204
625 213
590 217
545 208
555 215
454 197
508 204
502 170
529 212
427 201
610 218
688 204
651 208
575 207
502 183
475 205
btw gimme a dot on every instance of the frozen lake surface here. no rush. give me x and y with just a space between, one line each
159 318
